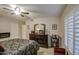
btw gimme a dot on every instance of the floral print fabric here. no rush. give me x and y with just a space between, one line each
20 47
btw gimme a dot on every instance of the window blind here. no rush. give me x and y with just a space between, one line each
69 33
76 48
65 25
72 33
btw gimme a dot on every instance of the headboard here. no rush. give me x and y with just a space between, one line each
4 35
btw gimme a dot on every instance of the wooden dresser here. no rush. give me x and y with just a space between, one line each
41 39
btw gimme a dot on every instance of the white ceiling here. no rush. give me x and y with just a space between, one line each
37 10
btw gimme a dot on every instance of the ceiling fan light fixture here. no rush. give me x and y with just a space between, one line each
17 10
22 10
17 13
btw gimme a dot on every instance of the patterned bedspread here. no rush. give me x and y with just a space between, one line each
20 47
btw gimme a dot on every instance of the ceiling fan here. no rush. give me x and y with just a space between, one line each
17 11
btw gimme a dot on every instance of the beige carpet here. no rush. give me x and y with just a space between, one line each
46 51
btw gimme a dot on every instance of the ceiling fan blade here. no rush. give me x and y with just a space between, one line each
8 9
34 11
12 13
25 12
22 15
31 11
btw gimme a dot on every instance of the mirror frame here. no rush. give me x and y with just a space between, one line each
40 24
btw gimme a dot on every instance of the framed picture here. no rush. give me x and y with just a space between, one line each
54 26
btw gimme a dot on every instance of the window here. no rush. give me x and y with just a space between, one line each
72 33
76 46
69 33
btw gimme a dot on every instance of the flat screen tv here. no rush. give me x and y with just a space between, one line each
4 35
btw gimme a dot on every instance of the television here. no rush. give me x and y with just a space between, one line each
4 35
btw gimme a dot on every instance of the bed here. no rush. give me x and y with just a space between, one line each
19 47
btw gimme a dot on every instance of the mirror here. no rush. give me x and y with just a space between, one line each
39 28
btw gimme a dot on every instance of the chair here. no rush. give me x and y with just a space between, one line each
59 51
